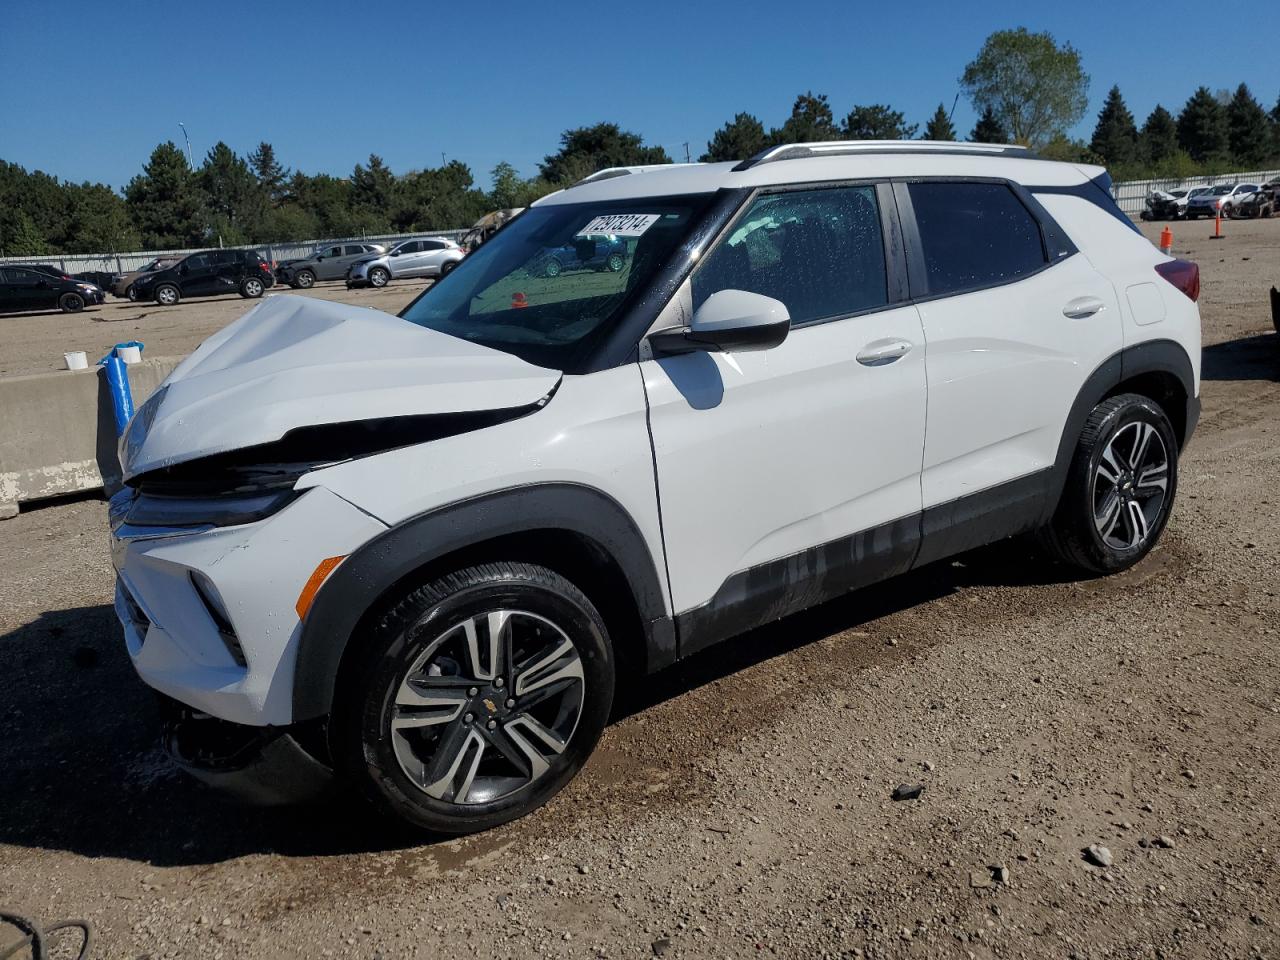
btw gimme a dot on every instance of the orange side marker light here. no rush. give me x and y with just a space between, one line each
314 582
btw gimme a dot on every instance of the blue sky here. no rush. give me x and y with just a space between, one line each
91 87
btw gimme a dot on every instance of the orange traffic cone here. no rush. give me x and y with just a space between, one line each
1166 241
1217 228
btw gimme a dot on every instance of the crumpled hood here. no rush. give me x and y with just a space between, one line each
295 361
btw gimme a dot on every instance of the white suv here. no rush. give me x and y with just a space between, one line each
425 257
423 551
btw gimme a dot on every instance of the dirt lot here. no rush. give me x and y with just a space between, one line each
739 804
35 342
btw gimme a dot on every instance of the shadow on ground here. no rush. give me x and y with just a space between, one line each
1249 358
81 769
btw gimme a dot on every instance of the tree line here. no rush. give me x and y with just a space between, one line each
1025 87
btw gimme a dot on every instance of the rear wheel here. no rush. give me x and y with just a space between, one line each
616 262
447 267
167 295
71 303
251 288
1120 487
379 277
477 698
305 279
552 268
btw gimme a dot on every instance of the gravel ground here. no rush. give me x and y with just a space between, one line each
34 342
739 805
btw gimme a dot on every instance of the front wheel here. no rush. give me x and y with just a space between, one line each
615 263
305 279
379 277
251 288
1120 487
477 698
132 294
71 303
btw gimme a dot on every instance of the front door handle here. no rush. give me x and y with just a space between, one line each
1082 307
877 353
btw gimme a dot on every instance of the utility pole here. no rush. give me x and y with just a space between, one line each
190 162
686 152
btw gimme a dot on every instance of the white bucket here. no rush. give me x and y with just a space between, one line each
129 354
76 360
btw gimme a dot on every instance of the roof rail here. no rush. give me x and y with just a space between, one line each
610 172
842 148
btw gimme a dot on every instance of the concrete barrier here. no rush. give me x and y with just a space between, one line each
57 432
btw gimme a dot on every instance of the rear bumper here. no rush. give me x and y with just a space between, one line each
1193 419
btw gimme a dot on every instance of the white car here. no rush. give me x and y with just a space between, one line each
424 257
423 551
1220 199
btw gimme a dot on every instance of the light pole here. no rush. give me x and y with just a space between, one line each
190 162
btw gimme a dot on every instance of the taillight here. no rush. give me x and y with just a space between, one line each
1183 274
263 267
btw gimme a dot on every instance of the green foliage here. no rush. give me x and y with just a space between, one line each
1158 140
989 129
232 198
510 190
939 126
1202 128
1115 138
1247 129
587 150
878 122
740 138
99 221
1034 87
21 238
164 201
811 121
272 176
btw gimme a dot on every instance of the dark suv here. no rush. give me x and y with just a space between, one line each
207 274
27 288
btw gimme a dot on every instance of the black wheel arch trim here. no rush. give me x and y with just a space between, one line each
363 578
1153 356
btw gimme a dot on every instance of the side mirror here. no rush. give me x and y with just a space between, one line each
395 253
184 270
731 321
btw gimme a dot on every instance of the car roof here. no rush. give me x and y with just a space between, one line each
838 161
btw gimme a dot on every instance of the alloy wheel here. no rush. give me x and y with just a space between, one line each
1130 486
487 707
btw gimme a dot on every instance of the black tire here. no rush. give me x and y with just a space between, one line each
616 262
167 295
132 294
71 303
305 280
1074 535
251 288
552 268
379 277
365 746
447 267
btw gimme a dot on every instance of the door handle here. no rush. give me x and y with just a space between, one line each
878 353
1082 307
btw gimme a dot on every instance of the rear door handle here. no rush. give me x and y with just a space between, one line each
878 353
1082 307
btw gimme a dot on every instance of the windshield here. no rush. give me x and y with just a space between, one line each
1177 194
550 284
1198 191
1221 191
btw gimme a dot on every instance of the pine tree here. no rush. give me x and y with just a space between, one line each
1115 138
1202 127
811 120
878 122
740 138
231 195
22 238
1248 129
271 174
164 201
1158 140
939 126
988 129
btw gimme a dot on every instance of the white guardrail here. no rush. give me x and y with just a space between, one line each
271 252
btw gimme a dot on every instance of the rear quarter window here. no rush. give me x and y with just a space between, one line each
974 235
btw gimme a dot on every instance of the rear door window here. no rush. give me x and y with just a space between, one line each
820 252
974 235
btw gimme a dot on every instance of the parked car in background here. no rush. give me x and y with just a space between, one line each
325 263
209 273
1261 203
25 288
583 253
122 286
1221 199
422 257
1171 204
